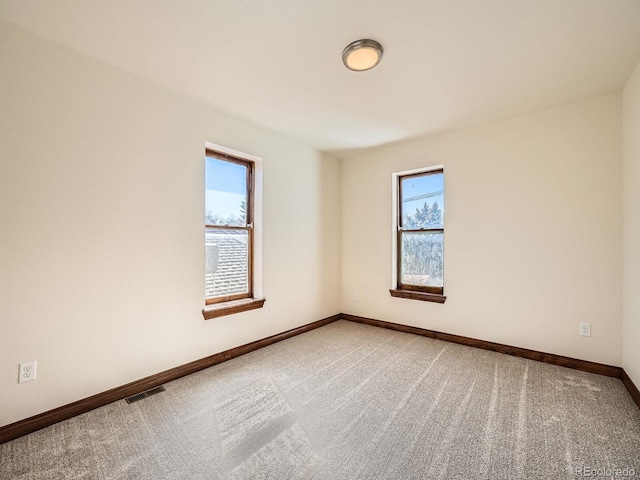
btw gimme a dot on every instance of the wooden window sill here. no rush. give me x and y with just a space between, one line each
413 295
234 306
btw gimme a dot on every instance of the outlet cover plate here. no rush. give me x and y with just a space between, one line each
585 329
27 371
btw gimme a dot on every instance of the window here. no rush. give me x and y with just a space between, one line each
229 234
420 236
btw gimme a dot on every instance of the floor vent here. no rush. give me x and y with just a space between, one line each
140 396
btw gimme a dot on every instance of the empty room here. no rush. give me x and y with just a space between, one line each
319 239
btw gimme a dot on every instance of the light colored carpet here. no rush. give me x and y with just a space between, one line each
349 401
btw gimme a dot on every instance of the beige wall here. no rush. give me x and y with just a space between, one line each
533 231
101 238
631 155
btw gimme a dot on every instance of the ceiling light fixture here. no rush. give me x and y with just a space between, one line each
362 55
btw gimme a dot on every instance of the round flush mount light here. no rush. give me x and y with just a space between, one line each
362 55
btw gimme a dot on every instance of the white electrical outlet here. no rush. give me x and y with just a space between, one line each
357 297
27 371
585 329
268 309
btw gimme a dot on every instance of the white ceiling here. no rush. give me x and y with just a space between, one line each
447 63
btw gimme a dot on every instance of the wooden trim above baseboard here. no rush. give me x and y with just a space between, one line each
550 358
631 387
46 419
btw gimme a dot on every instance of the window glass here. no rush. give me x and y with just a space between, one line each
423 201
422 258
225 192
227 259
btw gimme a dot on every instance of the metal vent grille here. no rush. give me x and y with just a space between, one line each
141 396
